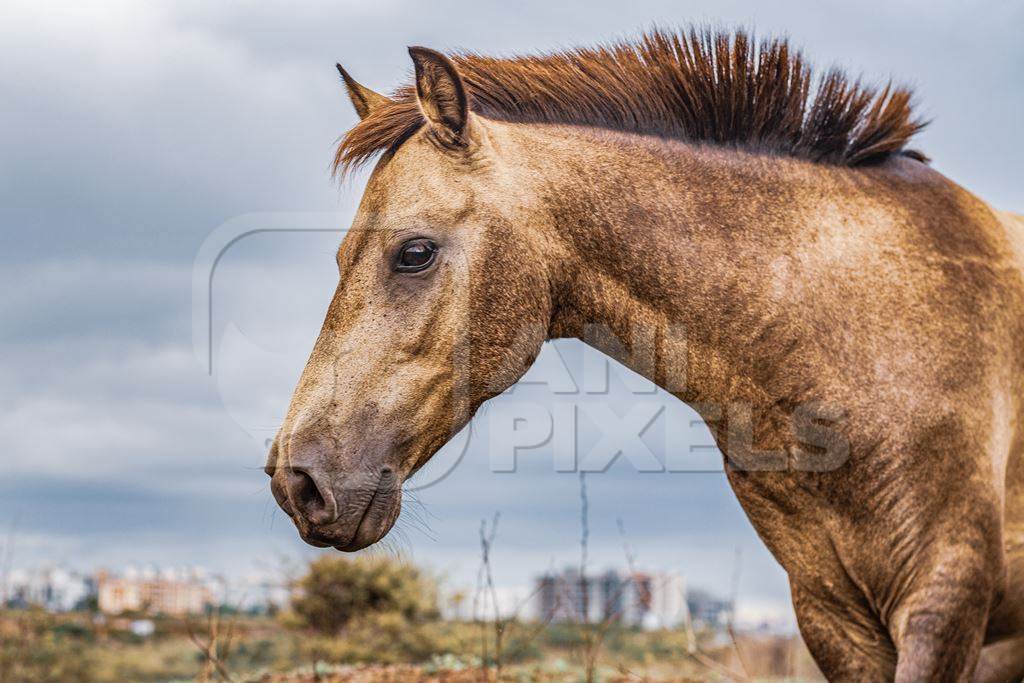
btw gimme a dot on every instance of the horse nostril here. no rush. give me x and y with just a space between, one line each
311 499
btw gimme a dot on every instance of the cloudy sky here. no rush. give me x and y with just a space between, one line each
140 138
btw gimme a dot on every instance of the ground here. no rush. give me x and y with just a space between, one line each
82 647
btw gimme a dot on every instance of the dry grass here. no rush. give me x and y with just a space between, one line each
42 648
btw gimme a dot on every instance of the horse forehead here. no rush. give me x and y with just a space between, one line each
420 177
392 204
407 207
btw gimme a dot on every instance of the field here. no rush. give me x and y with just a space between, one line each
40 647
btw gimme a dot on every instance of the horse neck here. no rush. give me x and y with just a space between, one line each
668 255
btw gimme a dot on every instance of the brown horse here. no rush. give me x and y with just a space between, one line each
759 243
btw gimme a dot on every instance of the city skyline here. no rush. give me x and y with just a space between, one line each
628 596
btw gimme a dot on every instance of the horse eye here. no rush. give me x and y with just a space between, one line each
416 255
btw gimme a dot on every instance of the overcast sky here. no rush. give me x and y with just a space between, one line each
132 133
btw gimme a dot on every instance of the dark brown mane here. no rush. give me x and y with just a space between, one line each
702 86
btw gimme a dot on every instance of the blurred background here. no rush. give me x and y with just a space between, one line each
139 139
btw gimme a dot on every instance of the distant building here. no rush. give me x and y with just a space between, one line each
465 604
147 590
56 589
171 592
254 594
649 600
707 610
668 608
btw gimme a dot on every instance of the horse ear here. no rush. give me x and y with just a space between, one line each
441 93
363 99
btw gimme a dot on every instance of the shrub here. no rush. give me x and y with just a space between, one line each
337 590
33 651
388 639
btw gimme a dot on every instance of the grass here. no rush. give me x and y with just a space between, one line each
39 647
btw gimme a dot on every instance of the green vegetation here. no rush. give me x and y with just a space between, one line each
36 647
369 619
338 590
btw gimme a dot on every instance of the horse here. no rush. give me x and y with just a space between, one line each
754 237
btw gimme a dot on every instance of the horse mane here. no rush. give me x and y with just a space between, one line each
703 86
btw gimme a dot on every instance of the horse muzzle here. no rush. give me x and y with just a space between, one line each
347 510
